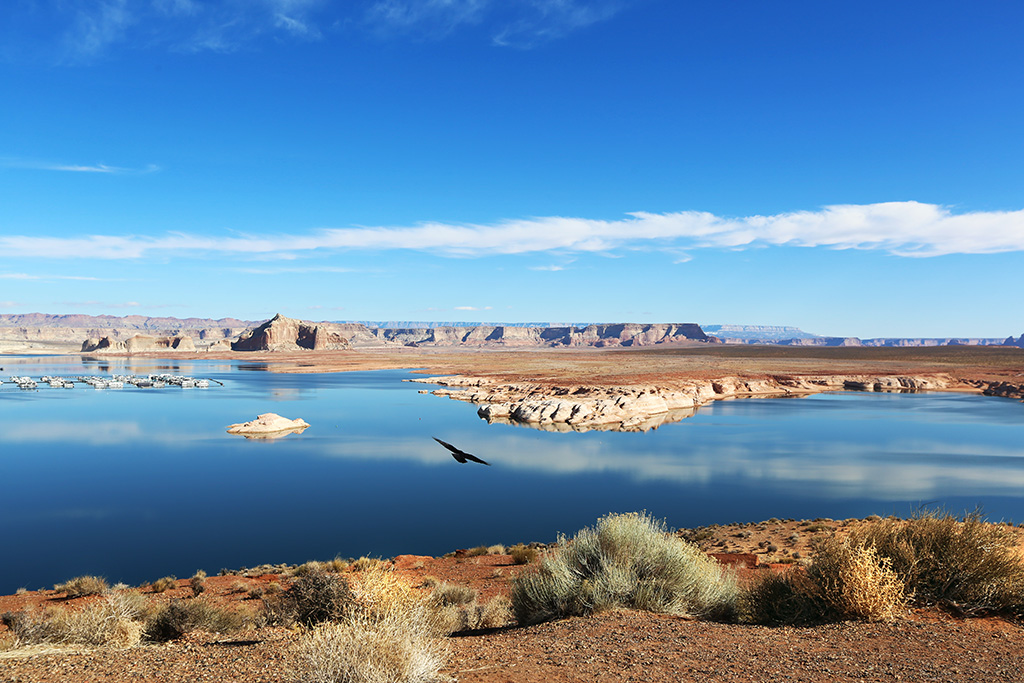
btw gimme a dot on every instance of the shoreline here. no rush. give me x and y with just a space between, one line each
643 388
640 408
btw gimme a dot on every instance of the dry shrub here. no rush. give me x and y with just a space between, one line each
522 554
445 594
178 617
497 549
317 596
775 598
81 586
855 582
365 564
365 650
114 621
389 634
968 564
198 582
625 560
472 616
478 551
165 584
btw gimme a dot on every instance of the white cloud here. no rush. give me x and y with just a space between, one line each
75 168
900 228
552 269
473 308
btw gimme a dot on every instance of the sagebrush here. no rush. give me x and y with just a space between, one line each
625 560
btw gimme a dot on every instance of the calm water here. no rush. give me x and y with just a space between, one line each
133 484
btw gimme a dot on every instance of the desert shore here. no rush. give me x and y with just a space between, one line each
639 389
921 644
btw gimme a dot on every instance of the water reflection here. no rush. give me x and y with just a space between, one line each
103 482
652 422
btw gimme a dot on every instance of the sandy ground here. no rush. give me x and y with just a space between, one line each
920 645
603 367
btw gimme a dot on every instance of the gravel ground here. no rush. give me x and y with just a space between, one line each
921 645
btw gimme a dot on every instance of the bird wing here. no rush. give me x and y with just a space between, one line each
459 454
447 445
475 459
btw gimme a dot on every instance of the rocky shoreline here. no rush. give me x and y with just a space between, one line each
584 407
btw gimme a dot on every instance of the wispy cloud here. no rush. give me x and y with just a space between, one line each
515 23
104 304
26 276
88 30
907 229
76 168
82 31
552 269
292 271
473 308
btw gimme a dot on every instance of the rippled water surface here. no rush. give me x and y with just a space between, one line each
134 484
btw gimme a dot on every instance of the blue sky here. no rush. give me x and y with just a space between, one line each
848 168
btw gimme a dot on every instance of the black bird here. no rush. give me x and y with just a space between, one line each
461 456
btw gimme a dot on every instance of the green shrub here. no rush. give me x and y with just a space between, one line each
967 564
81 586
625 560
178 617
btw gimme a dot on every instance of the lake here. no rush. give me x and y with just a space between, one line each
133 484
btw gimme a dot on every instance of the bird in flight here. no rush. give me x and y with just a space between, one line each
461 456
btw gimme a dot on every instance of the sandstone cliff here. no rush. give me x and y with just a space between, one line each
287 334
140 343
66 333
625 335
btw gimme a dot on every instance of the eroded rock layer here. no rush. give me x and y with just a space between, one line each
638 408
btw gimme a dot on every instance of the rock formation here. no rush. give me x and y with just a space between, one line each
65 333
624 334
268 426
287 334
140 343
638 408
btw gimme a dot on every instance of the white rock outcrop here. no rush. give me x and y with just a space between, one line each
639 408
268 425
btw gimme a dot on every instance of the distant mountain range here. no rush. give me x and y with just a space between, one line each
794 336
47 332
757 333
